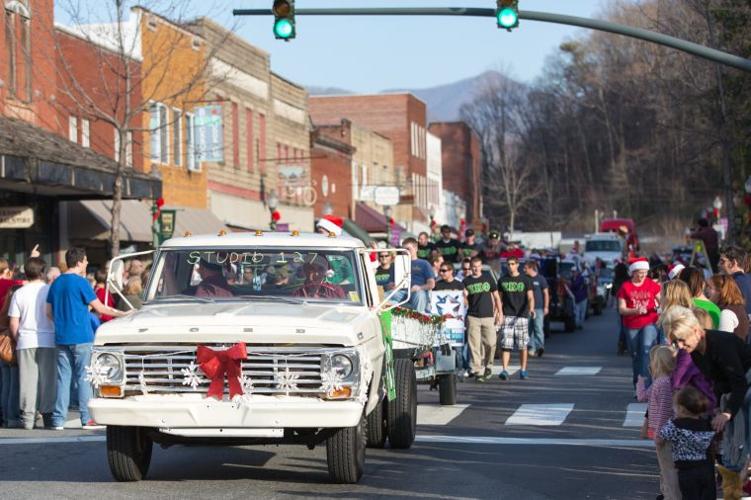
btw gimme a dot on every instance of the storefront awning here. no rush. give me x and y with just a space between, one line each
90 220
357 232
372 220
35 160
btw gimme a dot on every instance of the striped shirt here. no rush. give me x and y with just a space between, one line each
660 398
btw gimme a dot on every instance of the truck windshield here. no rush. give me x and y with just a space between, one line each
603 246
292 275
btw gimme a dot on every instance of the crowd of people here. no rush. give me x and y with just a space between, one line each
688 337
50 317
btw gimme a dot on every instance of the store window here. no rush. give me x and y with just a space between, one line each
18 49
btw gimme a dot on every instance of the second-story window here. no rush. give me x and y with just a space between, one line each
159 130
177 139
73 129
85 133
18 49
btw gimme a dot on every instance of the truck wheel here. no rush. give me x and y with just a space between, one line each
377 426
569 324
128 452
345 453
402 411
447 389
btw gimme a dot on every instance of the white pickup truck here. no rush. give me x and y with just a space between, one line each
253 338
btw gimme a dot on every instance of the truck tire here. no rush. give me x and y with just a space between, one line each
402 411
128 452
447 389
377 426
345 453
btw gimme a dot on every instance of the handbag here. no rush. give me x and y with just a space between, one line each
7 349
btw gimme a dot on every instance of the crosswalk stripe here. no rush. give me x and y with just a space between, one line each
635 414
596 443
540 414
579 370
512 369
438 414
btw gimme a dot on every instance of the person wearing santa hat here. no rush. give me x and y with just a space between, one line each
675 269
329 224
638 300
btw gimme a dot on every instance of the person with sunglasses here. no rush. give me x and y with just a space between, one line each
465 270
384 275
447 280
518 306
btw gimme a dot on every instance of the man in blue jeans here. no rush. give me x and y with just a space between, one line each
68 304
541 291
422 279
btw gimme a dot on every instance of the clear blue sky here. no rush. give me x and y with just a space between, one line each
370 54
373 53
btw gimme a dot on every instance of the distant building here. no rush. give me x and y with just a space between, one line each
402 119
462 166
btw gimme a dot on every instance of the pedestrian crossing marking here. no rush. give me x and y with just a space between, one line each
73 423
499 440
540 414
438 414
635 415
579 370
512 369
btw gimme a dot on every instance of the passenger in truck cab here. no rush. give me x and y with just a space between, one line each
315 270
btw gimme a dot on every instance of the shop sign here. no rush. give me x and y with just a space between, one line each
387 195
209 132
16 217
166 224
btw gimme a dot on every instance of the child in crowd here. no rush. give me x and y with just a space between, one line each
659 412
691 435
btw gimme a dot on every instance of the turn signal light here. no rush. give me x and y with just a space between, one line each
111 391
343 393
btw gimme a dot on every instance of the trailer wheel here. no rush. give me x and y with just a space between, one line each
402 411
345 453
128 452
447 389
377 430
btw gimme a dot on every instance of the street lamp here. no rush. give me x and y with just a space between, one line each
387 211
273 202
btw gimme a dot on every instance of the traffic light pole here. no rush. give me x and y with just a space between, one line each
695 49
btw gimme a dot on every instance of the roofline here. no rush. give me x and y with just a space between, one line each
287 80
68 31
230 34
379 94
177 25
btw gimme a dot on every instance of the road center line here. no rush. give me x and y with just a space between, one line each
595 443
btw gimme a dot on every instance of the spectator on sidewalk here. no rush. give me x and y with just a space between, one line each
638 299
132 292
35 346
9 372
68 302
694 278
580 291
723 291
52 274
100 289
518 306
709 237
541 291
6 279
732 260
483 316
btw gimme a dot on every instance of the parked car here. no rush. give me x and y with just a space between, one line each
607 247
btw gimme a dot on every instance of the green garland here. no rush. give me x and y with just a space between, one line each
422 318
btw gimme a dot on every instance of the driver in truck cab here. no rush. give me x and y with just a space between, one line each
315 270
213 283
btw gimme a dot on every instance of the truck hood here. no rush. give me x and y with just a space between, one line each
250 322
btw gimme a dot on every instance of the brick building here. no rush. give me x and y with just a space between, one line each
402 119
41 165
462 165
266 135
331 171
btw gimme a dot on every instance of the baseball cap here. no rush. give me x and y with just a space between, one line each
469 232
494 235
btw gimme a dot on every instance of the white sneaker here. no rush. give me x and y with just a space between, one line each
91 426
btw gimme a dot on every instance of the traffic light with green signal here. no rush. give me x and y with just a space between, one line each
284 19
507 14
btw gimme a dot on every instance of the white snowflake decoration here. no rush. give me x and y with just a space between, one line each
331 381
96 374
248 389
191 376
365 376
142 384
287 381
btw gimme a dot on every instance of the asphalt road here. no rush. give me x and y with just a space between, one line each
580 442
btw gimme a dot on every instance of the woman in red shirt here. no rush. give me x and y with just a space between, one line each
637 303
100 289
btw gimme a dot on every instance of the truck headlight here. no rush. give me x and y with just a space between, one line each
113 367
342 365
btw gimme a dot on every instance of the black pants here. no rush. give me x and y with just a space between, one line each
697 483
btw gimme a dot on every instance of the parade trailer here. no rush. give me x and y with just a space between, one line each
255 338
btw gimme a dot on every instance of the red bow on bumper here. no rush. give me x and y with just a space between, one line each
215 364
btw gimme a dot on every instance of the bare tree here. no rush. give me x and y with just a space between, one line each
127 82
511 183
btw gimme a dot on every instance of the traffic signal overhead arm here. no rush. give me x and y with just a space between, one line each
692 48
